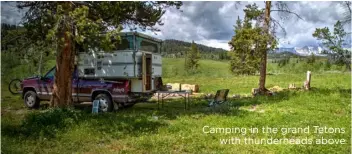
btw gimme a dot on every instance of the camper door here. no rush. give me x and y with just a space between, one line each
146 72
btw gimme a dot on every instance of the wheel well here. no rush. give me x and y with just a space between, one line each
27 89
96 93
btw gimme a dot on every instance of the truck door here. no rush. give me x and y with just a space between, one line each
46 85
146 71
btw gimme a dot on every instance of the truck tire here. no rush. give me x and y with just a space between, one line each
105 103
31 100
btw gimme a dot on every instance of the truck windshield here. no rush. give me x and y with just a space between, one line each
50 74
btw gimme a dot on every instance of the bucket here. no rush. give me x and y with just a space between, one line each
95 106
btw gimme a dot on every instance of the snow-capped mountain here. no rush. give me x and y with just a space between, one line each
303 51
309 50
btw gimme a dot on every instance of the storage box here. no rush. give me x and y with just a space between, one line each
174 86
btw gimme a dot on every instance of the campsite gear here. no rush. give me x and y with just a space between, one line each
220 97
174 86
163 94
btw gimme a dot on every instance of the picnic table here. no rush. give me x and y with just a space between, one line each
163 94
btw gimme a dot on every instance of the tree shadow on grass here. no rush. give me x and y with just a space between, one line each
174 108
276 98
140 119
49 123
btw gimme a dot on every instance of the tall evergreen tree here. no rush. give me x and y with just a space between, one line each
245 44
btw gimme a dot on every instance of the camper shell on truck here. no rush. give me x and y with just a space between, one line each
136 58
130 73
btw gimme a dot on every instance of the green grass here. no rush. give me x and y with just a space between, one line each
175 130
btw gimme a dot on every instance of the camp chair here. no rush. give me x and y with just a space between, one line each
220 97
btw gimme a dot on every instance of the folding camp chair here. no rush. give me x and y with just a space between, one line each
220 97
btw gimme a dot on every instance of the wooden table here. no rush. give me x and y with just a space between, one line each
163 94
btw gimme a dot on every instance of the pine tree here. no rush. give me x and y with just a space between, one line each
335 41
245 55
192 58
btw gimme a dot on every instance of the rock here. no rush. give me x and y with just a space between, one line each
261 111
255 91
276 89
155 117
236 96
253 108
292 86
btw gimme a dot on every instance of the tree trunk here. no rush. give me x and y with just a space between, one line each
62 88
262 88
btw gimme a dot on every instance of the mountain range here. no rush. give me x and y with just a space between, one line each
306 50
176 46
303 51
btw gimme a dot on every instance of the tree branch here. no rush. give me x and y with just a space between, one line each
277 23
287 11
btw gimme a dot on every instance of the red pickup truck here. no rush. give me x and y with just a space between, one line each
111 94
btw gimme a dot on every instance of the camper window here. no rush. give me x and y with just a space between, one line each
124 44
148 46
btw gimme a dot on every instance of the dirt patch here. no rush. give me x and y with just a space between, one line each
254 108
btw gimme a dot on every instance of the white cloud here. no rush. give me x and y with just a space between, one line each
211 23
202 28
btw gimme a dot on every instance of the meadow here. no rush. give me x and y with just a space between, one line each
171 129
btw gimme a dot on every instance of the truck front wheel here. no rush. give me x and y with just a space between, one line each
31 100
105 103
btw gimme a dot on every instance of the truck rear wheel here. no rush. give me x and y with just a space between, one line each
105 103
31 100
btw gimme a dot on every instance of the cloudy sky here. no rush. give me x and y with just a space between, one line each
211 23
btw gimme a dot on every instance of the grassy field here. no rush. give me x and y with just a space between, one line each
144 129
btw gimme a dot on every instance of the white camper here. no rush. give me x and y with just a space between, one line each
136 58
